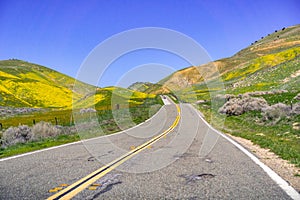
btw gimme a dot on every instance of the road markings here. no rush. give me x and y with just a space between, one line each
272 174
96 184
60 187
73 143
87 181
55 189
93 188
64 185
132 147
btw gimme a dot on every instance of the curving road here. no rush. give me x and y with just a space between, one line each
168 168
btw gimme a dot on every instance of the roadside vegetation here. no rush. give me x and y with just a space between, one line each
257 96
36 130
269 120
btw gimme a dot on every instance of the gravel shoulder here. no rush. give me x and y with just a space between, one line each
282 167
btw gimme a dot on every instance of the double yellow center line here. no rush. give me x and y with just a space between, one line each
83 183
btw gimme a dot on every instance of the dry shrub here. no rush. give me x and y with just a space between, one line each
87 110
276 112
296 109
254 104
45 130
238 106
14 135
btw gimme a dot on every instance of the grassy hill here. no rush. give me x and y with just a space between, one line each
42 104
149 88
258 84
269 63
24 84
105 98
140 86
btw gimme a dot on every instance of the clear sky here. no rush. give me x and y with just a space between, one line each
61 34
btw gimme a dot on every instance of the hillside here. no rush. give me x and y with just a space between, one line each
140 86
103 98
24 84
254 94
269 63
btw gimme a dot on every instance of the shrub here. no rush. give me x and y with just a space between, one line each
14 135
276 112
238 106
45 130
254 104
87 110
296 109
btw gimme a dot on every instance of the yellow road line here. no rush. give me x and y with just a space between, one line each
83 183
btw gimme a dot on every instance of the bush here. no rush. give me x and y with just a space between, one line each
14 135
254 104
276 112
24 133
296 109
45 130
238 106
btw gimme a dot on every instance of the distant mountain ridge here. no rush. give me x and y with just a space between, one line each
140 86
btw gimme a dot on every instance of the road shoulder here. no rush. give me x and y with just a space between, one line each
282 167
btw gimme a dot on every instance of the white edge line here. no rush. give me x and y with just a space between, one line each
38 151
77 142
273 175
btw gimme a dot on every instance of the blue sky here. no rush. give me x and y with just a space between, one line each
61 34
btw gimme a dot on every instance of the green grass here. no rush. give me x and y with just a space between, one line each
63 117
272 63
127 117
33 146
263 62
277 77
280 138
138 113
286 98
24 84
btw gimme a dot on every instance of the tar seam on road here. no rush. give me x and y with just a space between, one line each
83 183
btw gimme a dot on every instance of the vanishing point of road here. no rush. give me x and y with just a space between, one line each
158 159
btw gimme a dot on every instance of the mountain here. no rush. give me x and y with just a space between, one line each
149 88
267 64
24 84
140 86
103 98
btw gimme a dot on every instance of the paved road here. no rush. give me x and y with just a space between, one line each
169 169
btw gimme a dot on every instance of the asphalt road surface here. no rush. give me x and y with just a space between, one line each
169 168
